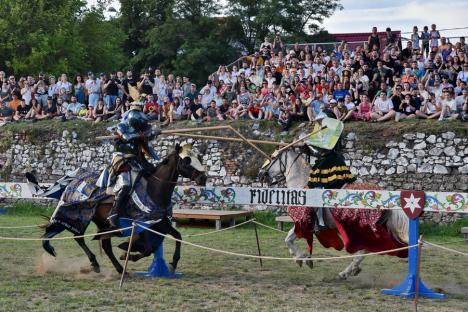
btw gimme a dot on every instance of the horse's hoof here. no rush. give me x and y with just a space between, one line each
310 263
343 276
96 269
356 272
123 257
171 268
299 263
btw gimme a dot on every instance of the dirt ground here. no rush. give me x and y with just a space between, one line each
33 281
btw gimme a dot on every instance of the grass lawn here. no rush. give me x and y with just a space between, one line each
32 281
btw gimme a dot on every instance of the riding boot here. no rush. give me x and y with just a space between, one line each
120 202
320 224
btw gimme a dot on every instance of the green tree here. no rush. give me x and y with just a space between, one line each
57 36
294 18
189 41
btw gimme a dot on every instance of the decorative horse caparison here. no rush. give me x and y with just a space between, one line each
159 187
292 168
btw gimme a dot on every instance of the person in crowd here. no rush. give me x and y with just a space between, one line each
79 89
382 108
448 104
151 108
21 111
66 86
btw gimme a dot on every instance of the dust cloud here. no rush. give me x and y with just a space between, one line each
75 268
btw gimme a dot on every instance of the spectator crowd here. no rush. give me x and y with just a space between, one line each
377 81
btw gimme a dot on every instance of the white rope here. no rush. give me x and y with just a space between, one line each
447 249
21 226
452 242
62 238
221 230
270 257
270 227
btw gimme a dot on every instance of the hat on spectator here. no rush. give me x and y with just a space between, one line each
333 102
186 98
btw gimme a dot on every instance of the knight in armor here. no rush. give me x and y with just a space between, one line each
329 172
129 162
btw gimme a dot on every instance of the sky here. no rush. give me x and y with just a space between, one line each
361 15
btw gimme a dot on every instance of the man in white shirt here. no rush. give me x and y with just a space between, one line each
382 109
463 75
461 99
209 86
449 106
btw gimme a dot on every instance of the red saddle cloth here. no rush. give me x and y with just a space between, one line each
360 230
304 222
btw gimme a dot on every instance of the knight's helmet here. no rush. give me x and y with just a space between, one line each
138 120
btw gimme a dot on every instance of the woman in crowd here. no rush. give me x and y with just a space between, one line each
79 89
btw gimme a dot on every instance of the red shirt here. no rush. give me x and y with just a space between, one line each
151 107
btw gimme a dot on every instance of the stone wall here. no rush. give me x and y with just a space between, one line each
416 161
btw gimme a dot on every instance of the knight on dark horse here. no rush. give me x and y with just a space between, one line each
129 163
143 193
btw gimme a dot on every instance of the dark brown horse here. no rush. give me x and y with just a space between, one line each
160 187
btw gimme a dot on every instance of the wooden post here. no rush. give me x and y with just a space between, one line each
418 274
127 255
258 245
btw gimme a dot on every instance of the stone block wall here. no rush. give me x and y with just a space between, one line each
417 161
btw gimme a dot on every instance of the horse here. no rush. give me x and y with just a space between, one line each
159 187
292 168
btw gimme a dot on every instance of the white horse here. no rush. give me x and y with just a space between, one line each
292 168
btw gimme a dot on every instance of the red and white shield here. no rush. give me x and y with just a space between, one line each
412 203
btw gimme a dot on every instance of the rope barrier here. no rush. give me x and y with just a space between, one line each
62 238
270 257
225 229
452 242
446 248
21 226
269 227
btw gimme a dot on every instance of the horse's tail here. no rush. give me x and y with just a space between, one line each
51 229
397 224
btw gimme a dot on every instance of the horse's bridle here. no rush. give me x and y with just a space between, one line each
281 176
177 170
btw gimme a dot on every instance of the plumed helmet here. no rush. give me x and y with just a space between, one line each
137 120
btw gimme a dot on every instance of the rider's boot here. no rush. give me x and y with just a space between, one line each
120 202
320 224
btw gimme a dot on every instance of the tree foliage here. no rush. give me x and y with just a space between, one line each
57 36
294 18
187 37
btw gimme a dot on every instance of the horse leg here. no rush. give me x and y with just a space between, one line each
354 268
91 256
176 257
107 246
294 250
51 231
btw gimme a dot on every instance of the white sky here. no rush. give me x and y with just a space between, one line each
361 15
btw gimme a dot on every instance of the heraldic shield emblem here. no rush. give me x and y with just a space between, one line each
412 203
